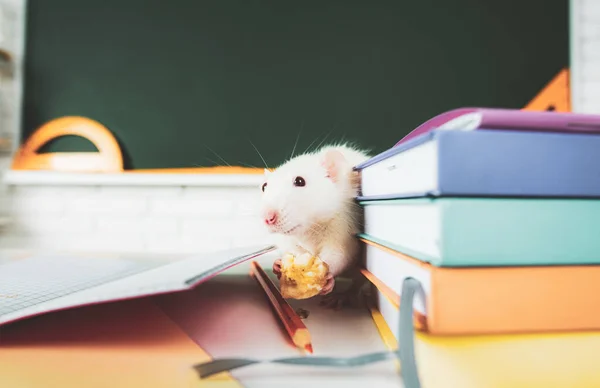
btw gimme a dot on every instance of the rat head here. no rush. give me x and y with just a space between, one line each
305 191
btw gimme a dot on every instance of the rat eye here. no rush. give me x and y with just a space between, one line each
264 186
299 181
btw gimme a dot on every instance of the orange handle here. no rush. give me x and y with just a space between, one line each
107 159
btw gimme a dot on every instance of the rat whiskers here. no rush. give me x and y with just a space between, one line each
291 230
259 154
217 155
295 144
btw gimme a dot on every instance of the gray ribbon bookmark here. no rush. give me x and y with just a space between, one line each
227 364
405 350
406 340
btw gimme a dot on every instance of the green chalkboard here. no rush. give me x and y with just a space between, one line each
178 81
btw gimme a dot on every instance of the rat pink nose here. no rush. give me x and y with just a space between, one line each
271 217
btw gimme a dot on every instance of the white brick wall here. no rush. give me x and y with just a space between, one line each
12 38
152 219
585 55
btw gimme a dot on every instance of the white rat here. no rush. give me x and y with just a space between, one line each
309 204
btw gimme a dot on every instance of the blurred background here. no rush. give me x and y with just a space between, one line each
187 84
183 81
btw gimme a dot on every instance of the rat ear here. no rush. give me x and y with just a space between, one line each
334 163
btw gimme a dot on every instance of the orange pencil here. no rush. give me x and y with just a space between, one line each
291 321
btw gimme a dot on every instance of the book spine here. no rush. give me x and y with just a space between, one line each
519 164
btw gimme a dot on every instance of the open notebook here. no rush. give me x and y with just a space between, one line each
42 283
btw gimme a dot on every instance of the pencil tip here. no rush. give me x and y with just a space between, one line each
309 348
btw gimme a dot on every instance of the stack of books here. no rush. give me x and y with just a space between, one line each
496 215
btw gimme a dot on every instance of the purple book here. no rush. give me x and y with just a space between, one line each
466 119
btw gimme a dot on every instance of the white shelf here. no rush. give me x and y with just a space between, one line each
129 179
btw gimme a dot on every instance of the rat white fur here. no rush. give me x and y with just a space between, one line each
319 215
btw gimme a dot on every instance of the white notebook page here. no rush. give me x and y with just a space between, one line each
43 283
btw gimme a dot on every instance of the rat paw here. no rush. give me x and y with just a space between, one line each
336 301
329 285
277 268
344 299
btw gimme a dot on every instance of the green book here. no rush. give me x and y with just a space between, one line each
461 232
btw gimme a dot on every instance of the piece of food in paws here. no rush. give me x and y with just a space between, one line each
302 277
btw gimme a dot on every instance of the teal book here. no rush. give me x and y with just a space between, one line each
467 232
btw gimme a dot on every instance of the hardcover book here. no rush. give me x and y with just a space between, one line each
472 118
484 301
463 232
486 163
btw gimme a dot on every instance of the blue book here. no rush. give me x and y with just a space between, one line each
485 163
